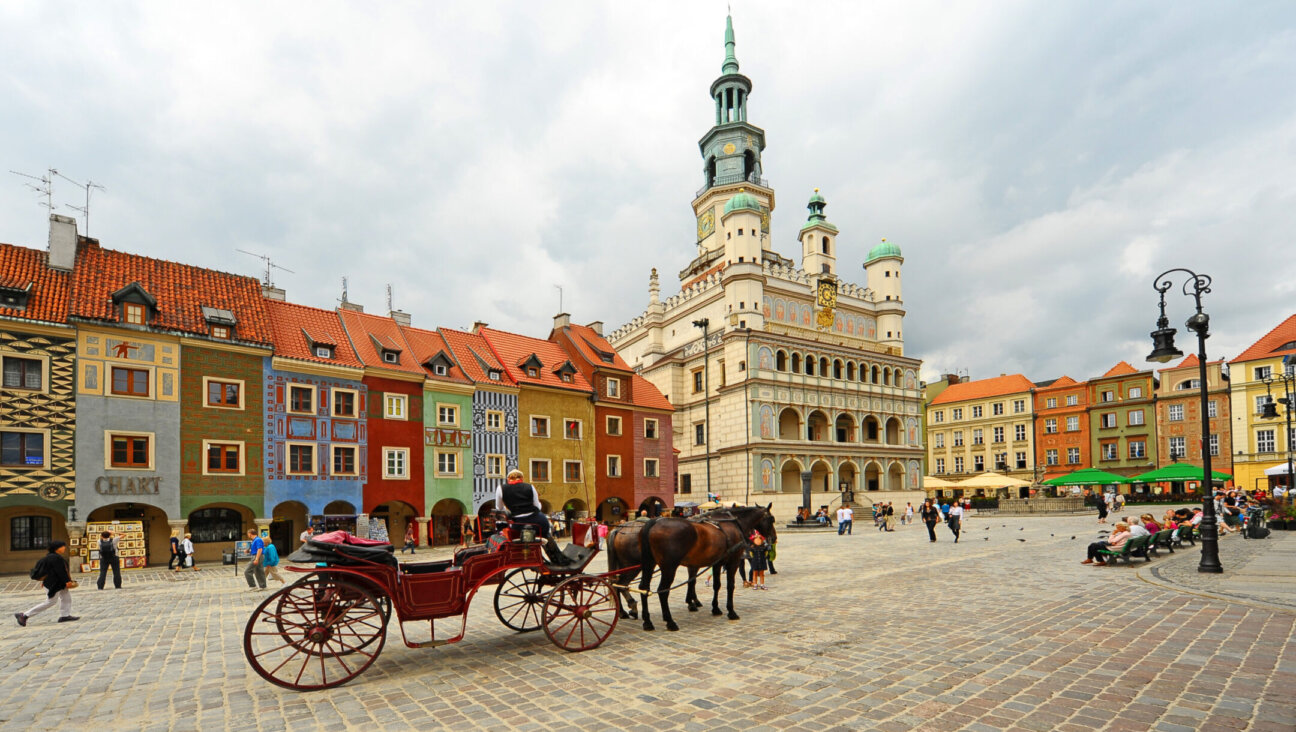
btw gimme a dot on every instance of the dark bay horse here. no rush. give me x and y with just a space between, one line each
716 540
624 551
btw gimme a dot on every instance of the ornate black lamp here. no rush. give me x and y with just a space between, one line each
1163 350
1269 410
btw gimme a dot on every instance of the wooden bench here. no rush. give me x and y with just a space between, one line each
1112 556
1160 540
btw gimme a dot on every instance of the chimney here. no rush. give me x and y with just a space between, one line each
400 318
353 307
273 293
562 320
62 242
952 379
597 327
478 325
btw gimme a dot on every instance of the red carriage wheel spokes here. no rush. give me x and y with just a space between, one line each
518 599
315 634
580 613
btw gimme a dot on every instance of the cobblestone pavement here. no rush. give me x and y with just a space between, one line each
859 632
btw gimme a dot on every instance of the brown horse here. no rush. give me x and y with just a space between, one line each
718 540
624 552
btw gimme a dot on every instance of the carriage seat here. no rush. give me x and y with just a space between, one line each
578 555
428 567
339 548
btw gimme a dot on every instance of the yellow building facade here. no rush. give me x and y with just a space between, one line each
981 426
1254 376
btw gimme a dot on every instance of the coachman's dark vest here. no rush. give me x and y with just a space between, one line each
517 499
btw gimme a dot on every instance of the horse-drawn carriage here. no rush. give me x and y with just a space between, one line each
329 626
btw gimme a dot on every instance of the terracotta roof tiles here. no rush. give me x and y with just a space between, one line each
181 292
294 327
27 269
368 331
513 350
474 356
984 389
1121 369
1271 343
426 345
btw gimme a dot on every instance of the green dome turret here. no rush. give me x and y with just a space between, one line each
742 201
885 249
817 217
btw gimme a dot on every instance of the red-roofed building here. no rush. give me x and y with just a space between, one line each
1122 424
494 415
37 406
1062 427
979 426
1255 376
556 436
394 483
315 407
1179 419
634 456
448 458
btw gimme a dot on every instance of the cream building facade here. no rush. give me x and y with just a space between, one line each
781 372
981 426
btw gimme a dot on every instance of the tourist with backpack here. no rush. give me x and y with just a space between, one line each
272 563
108 557
52 572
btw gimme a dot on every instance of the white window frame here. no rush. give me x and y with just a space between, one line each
1050 403
1073 456
453 408
1019 432
1135 392
392 411
1262 372
978 436
652 468
1175 413
1142 449
613 388
958 463
938 440
314 448
580 428
531 473
613 467
333 449
958 438
938 416
323 352
1212 409
940 465
977 411
996 409
387 454
1110 451
355 402
1019 406
498 416
453 455
579 465
1050 426
998 435
1129 418
288 400
1178 447
1214 445
1051 456
242 451
548 425
1266 436
956 414
1107 420
1073 423
978 463
607 425
1072 400
1260 402
652 429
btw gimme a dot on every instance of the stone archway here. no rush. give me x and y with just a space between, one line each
287 521
215 527
895 477
872 477
817 426
789 425
821 477
894 432
397 516
790 477
848 473
844 428
446 526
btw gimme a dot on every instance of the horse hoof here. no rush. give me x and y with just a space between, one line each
716 611
672 626
649 626
733 616
692 608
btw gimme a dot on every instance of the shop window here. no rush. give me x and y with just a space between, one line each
213 525
30 533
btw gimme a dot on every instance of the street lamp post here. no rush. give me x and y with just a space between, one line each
704 324
1270 411
1163 350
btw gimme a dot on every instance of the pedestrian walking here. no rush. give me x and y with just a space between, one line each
52 572
955 519
108 545
410 538
176 560
602 535
888 519
929 515
187 549
1102 508
255 572
271 563
909 513
845 519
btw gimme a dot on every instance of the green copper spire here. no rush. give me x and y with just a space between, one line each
817 218
731 61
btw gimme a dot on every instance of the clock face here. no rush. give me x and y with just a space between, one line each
729 148
827 295
705 224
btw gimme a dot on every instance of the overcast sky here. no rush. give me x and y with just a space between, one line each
1039 163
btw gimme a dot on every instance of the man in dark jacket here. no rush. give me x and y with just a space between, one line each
52 571
109 543
521 500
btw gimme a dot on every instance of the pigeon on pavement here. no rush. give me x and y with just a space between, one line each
1021 540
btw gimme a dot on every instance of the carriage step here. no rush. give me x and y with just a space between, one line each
429 644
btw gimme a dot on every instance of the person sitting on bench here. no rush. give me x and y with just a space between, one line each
1115 541
523 502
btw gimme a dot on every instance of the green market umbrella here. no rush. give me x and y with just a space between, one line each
1178 472
1088 476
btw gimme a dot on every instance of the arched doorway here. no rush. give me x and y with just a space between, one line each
572 510
848 475
337 516
27 532
873 477
446 526
845 428
821 475
817 426
287 521
394 516
157 532
214 528
653 505
895 477
893 432
789 424
790 477
612 510
872 429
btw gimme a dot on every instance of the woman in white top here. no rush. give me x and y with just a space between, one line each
908 515
187 551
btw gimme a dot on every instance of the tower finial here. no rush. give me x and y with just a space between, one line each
731 61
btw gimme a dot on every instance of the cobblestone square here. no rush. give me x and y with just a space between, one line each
1005 630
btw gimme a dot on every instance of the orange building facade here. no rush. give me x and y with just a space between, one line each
1062 427
1178 414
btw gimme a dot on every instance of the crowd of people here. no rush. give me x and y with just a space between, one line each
1130 527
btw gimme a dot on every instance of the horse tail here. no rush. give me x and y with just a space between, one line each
645 548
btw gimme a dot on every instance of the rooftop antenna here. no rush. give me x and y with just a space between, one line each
559 298
88 185
46 187
344 290
268 266
390 307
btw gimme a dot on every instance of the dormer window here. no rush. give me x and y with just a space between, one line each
494 375
134 313
220 331
321 347
220 322
566 372
533 372
323 352
439 364
566 377
14 297
440 370
390 357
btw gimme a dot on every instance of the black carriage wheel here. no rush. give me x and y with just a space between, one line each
315 634
580 613
518 599
326 584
